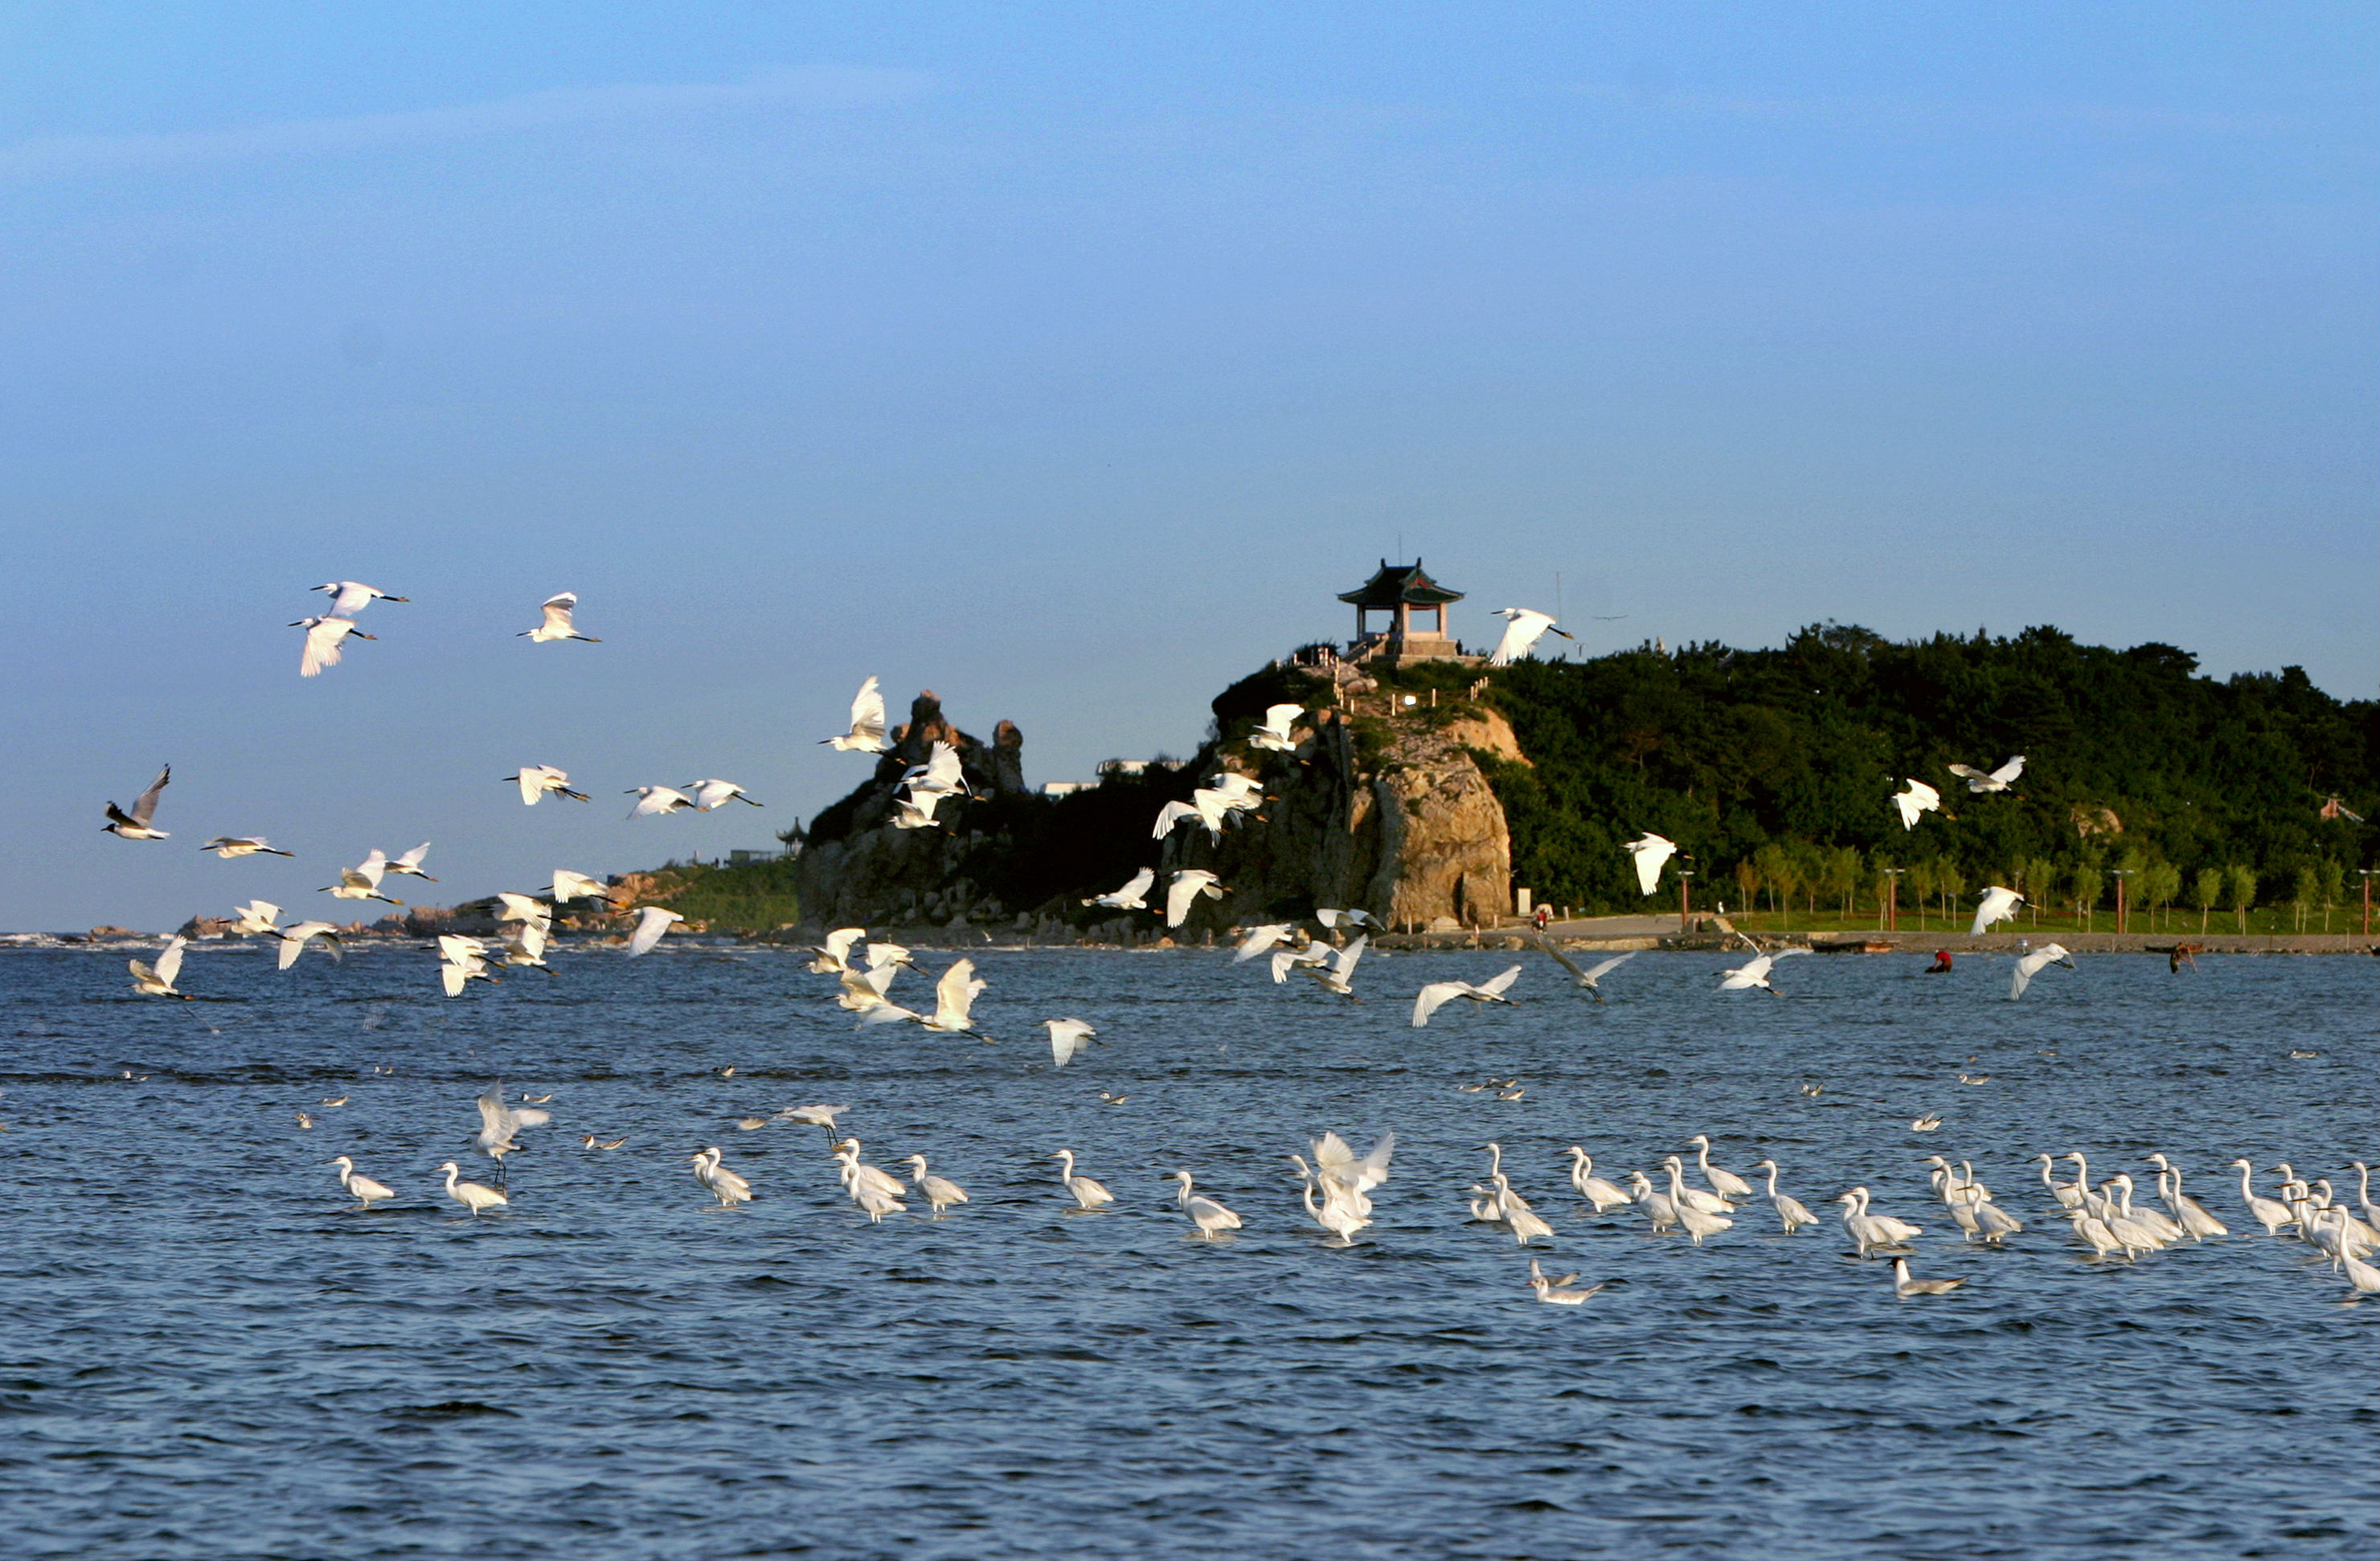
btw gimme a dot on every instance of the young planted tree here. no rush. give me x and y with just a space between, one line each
1842 877
1949 883
2162 883
2087 883
1775 868
1785 876
1920 880
2040 886
2206 893
2305 892
1748 880
2333 879
2242 883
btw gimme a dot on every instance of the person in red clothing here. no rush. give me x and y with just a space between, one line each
1941 965
1543 917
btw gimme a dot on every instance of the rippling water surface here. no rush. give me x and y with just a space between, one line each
205 1351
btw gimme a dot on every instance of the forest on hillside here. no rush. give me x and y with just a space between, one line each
1775 768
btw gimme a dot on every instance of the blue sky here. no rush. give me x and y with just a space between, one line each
1070 361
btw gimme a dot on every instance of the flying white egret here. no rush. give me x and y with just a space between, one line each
526 942
557 624
1311 953
1754 972
1132 896
230 846
1336 969
1916 801
362 881
135 825
1790 1211
1344 1175
1086 1194
157 980
1997 905
834 955
1260 939
867 734
536 780
256 916
1241 794
815 1116
1522 629
2032 965
1205 1213
916 810
1188 885
471 1194
1273 733
500 1122
525 908
712 793
461 961
1998 780
941 775
955 997
1593 1189
409 864
1436 995
864 990
653 925
351 597
1905 1287
295 938
1067 1037
1650 852
1331 918
1207 805
1338 1213
363 1187
570 885
1592 979
651 800
939 1192
324 639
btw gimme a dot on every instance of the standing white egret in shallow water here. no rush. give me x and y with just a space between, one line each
326 638
1727 1184
653 925
230 846
725 1185
1522 629
363 1187
1132 896
2032 965
351 597
1338 1213
1188 885
1436 995
939 1192
135 825
1593 1189
536 780
1915 802
1755 973
158 980
1589 979
1205 1213
1998 780
1066 1038
1085 1192
1273 733
1790 1211
1997 905
557 624
867 734
471 1194
1650 852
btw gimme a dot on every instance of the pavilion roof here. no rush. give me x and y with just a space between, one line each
1399 582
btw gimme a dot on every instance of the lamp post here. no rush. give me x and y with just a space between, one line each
2366 873
2120 874
1892 898
1684 899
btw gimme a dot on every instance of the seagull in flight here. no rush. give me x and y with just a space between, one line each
1437 994
135 824
1651 851
867 734
653 925
1918 800
557 624
351 597
1998 780
1188 885
710 794
1132 896
1522 630
536 780
657 800
1589 978
1998 905
158 980
324 636
230 846
1273 732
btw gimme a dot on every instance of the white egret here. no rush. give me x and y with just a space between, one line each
875 1202
917 811
713 793
536 780
1188 885
864 990
653 925
1331 918
1260 939
135 825
557 624
230 846
1436 995
570 885
1085 1192
1727 1184
1698 1222
362 881
1522 629
1755 973
1872 1231
470 1194
1790 1210
255 918
1979 1216
867 734
1305 955
1207 805
858 1176
1132 896
351 597
409 864
363 1187
1526 1223
1205 1213
726 1185
1916 801
1336 1214
955 997
1345 1174
939 1192
1484 1207
834 954
1273 732
1602 1194
1998 780
1066 1038
295 938
2269 1213
1906 1288
325 640
651 800
815 1116
2032 965
461 961
1589 979
523 908
1658 1208
941 775
1650 852
157 980
1336 968
1997 905
500 1121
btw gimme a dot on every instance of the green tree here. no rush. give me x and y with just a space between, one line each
2206 893
2040 886
1920 880
2161 884
1841 873
2087 883
2243 893
1949 883
1786 874
2333 887
2305 893
1747 879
